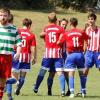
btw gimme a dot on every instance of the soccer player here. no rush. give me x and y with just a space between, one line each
75 58
28 52
92 55
8 39
63 23
14 76
53 53
27 56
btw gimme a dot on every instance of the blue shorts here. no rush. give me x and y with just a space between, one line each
73 61
52 64
15 63
19 66
91 58
24 67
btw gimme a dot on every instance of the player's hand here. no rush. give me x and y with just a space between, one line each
99 57
16 56
33 61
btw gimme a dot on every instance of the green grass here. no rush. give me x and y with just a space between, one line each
39 19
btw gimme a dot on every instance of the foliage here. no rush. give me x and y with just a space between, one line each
50 4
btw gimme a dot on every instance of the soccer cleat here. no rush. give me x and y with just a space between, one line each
17 92
71 95
63 94
68 93
49 93
79 94
83 95
34 89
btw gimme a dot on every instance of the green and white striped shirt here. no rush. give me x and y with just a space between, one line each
9 38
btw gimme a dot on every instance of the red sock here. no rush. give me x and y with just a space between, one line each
1 92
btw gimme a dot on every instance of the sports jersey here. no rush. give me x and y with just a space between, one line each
94 41
53 32
9 38
75 40
28 40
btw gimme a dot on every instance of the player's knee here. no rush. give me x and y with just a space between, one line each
42 72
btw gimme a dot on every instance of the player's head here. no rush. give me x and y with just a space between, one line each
4 14
10 18
92 19
63 23
52 17
73 22
27 22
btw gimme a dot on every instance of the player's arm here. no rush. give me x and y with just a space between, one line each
18 44
42 34
33 54
18 50
61 39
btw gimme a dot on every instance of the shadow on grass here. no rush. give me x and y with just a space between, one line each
33 94
91 97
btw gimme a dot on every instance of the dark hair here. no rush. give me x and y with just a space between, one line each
74 21
92 15
63 20
52 17
27 22
10 18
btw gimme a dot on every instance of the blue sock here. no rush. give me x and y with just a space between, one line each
49 83
9 89
39 81
83 80
62 82
71 84
21 82
40 78
11 81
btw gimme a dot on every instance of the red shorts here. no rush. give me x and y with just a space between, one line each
5 65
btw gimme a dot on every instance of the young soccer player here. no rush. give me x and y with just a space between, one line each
92 55
8 39
75 58
14 76
53 53
27 55
63 23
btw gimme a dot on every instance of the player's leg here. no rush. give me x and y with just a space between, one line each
66 74
9 83
14 77
67 81
60 73
24 68
69 68
50 82
5 71
2 84
80 65
89 62
46 63
20 82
